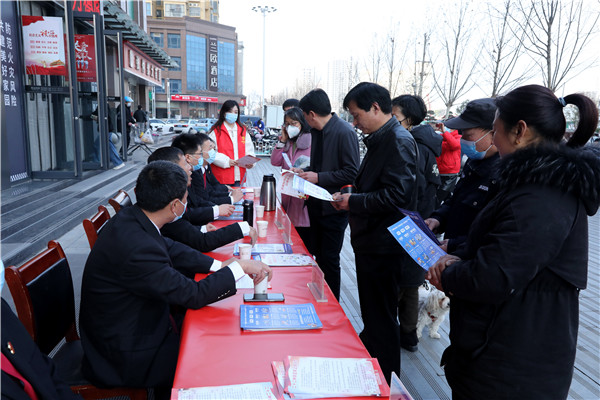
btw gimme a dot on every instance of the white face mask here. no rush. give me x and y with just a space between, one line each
292 131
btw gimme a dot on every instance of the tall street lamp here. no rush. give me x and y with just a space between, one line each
264 10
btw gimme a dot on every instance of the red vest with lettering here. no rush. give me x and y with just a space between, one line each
224 145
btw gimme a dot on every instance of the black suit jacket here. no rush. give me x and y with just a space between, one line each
213 193
186 233
199 215
131 277
36 367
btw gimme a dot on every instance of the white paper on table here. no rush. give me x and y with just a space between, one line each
247 160
280 260
279 372
314 377
247 391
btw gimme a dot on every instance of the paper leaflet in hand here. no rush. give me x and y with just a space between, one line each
416 243
247 160
287 160
293 185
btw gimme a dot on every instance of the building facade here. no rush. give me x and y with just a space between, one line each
208 54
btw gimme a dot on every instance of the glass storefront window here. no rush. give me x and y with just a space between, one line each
226 67
195 62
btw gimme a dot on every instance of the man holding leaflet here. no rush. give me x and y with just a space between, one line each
385 182
334 160
133 276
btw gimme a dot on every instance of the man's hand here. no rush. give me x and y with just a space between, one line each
226 210
340 201
297 170
433 224
310 176
257 270
210 228
253 235
434 275
236 195
444 245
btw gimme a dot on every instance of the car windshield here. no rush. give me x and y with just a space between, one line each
156 121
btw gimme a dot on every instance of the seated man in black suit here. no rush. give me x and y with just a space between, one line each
183 230
131 278
205 188
26 371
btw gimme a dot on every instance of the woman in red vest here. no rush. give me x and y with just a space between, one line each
233 143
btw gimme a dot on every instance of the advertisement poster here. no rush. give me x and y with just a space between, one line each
85 58
44 45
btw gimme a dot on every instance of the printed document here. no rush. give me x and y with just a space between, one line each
248 391
417 244
293 185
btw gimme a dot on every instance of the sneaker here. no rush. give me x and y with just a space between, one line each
119 166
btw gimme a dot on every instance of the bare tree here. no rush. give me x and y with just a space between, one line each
556 36
504 49
394 59
453 70
373 61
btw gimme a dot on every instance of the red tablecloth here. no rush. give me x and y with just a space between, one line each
215 351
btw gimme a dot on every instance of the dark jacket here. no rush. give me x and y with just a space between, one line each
140 116
339 157
514 314
184 232
131 277
32 364
386 181
473 191
128 118
213 193
430 147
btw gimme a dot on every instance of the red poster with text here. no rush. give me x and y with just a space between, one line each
85 58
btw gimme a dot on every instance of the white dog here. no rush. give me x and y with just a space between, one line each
433 307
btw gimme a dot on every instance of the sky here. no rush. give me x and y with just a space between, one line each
309 33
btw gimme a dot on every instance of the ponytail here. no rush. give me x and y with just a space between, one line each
588 119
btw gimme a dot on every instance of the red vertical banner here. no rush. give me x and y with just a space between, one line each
85 58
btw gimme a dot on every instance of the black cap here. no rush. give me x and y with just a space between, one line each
479 113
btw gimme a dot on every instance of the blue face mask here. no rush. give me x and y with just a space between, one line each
178 217
469 148
231 117
212 154
198 165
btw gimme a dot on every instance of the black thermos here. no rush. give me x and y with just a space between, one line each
248 211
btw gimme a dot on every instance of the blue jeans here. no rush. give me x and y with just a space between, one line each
112 151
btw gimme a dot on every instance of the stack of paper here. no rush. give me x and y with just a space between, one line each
248 391
279 317
321 377
281 260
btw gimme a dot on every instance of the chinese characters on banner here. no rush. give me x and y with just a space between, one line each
85 58
187 97
89 6
213 64
12 93
44 45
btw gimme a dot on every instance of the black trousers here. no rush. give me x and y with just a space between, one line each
325 243
379 289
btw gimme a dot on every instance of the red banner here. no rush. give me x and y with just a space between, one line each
187 97
85 58
242 102
89 6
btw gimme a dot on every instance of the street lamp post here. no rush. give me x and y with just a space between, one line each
264 10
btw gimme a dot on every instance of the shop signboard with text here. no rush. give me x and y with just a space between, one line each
139 64
85 58
44 45
187 97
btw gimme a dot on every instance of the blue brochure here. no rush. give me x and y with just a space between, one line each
265 248
238 214
415 216
417 244
279 317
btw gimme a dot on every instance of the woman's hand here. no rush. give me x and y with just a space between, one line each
434 275
233 163
284 136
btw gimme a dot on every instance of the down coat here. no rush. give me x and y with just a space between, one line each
515 294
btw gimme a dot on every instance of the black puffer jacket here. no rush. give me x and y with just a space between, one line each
430 147
515 295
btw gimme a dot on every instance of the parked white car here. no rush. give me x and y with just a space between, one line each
160 126
203 125
183 125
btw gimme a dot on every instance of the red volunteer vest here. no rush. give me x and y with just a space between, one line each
226 176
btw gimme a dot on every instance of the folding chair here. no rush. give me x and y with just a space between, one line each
121 200
93 225
42 290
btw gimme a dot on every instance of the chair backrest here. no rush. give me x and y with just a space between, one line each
42 289
122 199
92 226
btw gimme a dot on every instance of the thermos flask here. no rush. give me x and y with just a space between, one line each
267 192
248 208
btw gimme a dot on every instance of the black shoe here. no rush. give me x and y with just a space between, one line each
410 348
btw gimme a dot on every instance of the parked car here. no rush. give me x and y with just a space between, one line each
251 118
160 126
203 125
182 126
